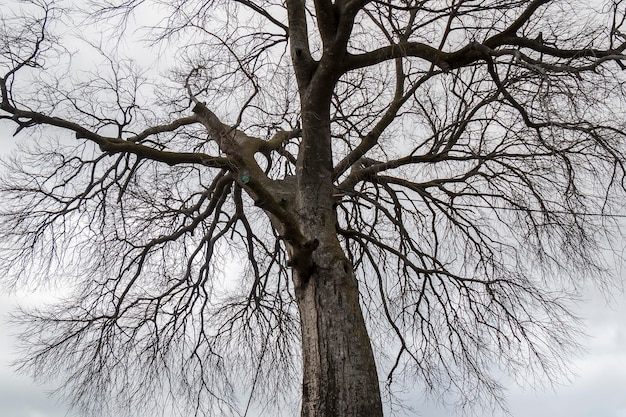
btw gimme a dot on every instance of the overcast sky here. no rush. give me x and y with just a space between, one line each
598 390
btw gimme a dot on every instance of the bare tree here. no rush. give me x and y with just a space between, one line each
361 194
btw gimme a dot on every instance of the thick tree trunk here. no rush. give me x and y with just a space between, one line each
339 372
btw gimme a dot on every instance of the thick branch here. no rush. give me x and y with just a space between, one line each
404 49
539 46
264 191
116 145
299 41
474 52
278 140
327 16
169 127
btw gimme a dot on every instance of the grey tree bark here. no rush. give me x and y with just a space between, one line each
339 371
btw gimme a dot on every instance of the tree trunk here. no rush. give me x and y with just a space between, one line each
339 372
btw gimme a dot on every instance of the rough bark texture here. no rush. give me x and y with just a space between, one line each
339 372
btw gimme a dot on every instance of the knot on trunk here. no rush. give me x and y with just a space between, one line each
301 259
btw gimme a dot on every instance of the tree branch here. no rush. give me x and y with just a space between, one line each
116 145
299 41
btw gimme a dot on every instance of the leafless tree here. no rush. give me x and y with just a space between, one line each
364 195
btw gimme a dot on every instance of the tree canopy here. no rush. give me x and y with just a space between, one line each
360 195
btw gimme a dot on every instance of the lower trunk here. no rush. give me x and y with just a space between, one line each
339 372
